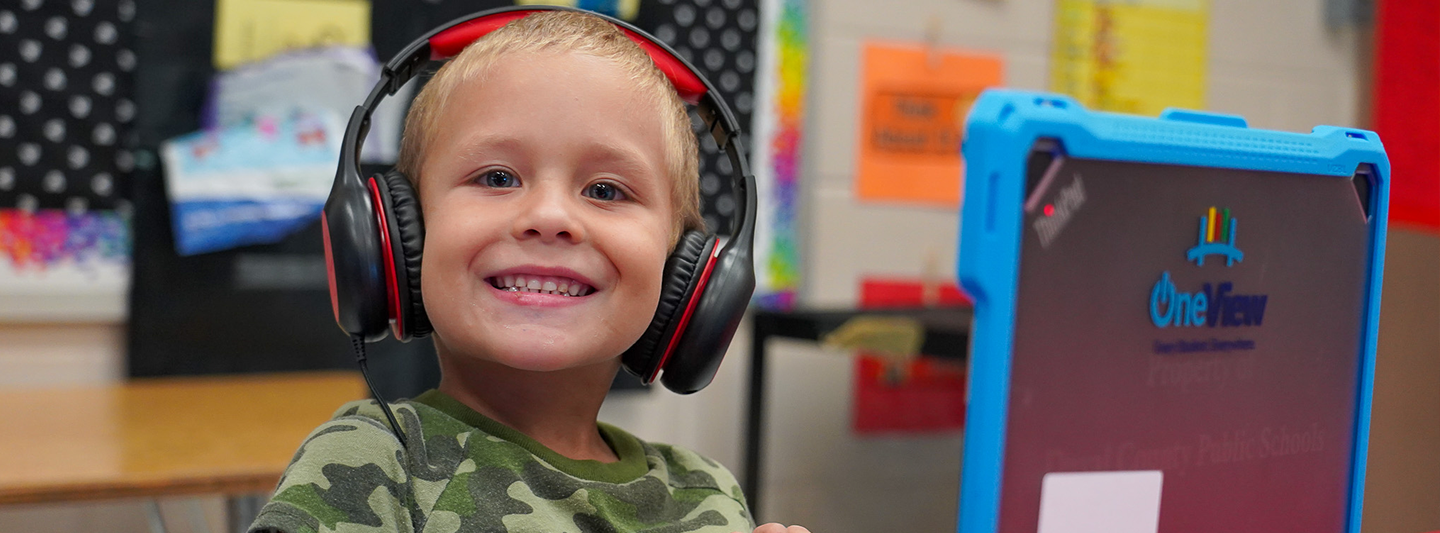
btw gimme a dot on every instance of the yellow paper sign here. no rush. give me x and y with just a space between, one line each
625 9
250 30
914 102
1138 56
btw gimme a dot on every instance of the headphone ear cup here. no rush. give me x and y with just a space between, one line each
718 310
355 259
408 245
678 285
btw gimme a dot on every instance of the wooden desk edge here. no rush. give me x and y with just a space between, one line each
149 481
233 485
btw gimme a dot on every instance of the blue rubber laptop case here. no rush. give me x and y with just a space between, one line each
1175 320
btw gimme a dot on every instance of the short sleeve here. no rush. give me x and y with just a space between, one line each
349 470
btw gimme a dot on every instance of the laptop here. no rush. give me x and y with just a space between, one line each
1175 320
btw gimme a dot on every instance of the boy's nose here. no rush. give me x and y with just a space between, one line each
549 215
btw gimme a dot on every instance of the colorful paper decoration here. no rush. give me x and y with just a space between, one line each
914 100
779 135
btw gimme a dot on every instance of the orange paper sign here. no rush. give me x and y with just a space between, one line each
914 102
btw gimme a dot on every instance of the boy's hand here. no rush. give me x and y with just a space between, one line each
777 528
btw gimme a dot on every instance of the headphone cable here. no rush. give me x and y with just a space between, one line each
359 344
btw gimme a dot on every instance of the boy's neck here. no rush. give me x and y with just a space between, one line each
558 409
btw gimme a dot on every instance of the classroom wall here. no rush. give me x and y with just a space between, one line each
46 354
1274 62
1402 485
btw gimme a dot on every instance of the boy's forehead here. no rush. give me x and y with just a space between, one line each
522 95
524 71
553 65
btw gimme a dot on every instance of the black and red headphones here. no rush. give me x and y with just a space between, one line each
374 232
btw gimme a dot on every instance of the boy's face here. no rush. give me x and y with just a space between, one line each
548 169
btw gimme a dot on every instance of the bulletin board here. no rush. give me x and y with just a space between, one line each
66 111
266 307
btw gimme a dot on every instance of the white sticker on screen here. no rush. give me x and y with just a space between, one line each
1100 502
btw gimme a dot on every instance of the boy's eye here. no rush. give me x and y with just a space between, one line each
604 191
499 179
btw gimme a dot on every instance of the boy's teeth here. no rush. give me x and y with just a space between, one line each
541 284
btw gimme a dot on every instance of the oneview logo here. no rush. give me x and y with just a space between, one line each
1212 305
1217 237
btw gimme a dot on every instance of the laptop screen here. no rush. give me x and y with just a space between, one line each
1196 327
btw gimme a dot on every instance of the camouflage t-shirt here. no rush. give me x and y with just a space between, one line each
472 474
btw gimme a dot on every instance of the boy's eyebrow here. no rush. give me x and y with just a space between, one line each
628 159
484 146
476 148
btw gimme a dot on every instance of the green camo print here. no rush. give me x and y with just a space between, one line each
351 475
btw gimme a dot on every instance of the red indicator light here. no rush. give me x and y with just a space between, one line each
1049 209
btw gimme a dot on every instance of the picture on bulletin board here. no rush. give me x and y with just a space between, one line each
914 100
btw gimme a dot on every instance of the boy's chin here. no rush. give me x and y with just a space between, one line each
535 355
539 361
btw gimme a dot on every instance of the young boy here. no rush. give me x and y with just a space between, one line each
556 170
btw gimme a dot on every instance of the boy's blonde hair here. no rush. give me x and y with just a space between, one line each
564 32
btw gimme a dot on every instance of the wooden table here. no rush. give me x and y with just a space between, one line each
148 438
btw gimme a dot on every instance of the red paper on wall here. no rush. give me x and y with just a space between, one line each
1407 107
922 395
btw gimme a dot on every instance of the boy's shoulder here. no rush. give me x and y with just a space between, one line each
349 469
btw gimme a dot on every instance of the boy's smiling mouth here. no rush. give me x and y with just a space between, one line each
531 283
